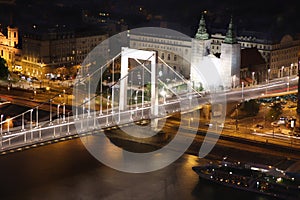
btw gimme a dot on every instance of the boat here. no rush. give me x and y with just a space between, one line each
262 179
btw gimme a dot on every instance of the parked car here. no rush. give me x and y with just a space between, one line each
259 126
274 124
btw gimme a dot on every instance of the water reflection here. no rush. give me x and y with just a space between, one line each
67 171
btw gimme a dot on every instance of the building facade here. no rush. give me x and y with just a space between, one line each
9 46
56 51
192 56
281 56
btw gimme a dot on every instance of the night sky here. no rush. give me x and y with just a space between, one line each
276 16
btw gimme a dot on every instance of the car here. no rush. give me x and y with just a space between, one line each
209 124
281 120
274 124
259 126
296 134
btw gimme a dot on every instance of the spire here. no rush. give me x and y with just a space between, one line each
230 35
202 32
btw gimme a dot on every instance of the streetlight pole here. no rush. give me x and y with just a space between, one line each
101 92
107 109
89 95
31 124
243 91
64 112
253 73
112 98
50 118
1 124
58 105
37 117
269 70
288 84
136 99
143 91
64 106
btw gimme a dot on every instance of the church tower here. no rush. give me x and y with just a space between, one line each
12 33
230 58
200 48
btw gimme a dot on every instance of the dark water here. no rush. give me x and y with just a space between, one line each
66 170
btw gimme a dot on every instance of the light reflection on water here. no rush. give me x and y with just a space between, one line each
67 171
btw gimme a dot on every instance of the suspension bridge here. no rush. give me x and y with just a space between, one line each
133 85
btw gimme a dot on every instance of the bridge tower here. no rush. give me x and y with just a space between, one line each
127 53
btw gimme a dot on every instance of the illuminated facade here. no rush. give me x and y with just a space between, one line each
281 56
56 51
197 51
8 46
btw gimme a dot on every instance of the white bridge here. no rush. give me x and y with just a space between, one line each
140 92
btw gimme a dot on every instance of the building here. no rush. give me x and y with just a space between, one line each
9 46
281 55
253 67
172 49
284 57
191 57
57 50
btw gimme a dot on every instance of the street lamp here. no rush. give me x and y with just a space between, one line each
1 123
37 117
136 99
31 124
58 105
288 84
50 118
243 91
64 112
253 73
107 103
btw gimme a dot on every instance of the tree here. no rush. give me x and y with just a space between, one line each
250 107
3 69
274 112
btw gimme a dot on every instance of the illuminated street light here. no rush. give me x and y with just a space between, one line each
64 112
136 99
107 103
243 91
1 123
50 118
37 117
58 105
31 124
